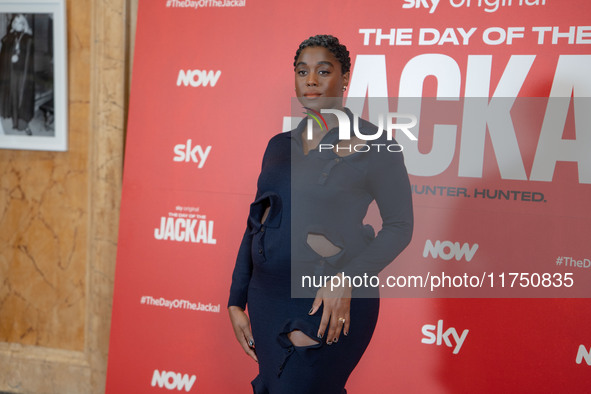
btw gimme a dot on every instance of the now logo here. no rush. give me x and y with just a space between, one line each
583 353
435 334
173 380
447 250
197 78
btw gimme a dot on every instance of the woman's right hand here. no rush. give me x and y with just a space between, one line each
241 325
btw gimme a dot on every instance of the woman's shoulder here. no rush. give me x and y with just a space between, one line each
287 136
280 139
278 145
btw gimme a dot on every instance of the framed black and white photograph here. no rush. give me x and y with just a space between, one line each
33 75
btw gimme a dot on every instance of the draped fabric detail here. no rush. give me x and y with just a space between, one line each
307 353
258 387
257 210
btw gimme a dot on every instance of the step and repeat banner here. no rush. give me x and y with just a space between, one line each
492 293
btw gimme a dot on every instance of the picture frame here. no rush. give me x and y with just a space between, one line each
33 75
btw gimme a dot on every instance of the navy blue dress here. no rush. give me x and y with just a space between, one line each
326 194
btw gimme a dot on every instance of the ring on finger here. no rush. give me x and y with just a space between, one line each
342 320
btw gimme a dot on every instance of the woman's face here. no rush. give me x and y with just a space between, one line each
19 23
319 80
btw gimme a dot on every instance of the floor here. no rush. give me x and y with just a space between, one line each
37 126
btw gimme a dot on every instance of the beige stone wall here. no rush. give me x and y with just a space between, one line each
59 219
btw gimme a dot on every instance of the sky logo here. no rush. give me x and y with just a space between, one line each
435 335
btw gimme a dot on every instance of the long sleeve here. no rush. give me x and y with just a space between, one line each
387 181
242 273
244 263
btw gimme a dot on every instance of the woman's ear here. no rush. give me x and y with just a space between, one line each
346 78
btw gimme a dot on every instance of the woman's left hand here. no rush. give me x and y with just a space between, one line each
336 313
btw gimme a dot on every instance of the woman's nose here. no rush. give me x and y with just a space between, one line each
311 80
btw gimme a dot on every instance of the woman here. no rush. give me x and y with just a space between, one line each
307 220
17 84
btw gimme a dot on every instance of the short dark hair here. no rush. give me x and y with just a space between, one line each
332 44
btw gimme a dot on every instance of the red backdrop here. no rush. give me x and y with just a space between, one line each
211 84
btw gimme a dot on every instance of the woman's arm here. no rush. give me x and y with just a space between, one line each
242 273
239 288
387 181
241 326
238 295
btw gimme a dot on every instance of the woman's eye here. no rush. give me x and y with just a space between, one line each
302 72
323 72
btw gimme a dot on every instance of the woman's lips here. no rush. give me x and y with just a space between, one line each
312 95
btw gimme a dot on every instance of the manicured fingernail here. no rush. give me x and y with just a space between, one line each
346 333
335 340
329 343
311 309
320 336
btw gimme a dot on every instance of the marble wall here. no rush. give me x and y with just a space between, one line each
59 219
